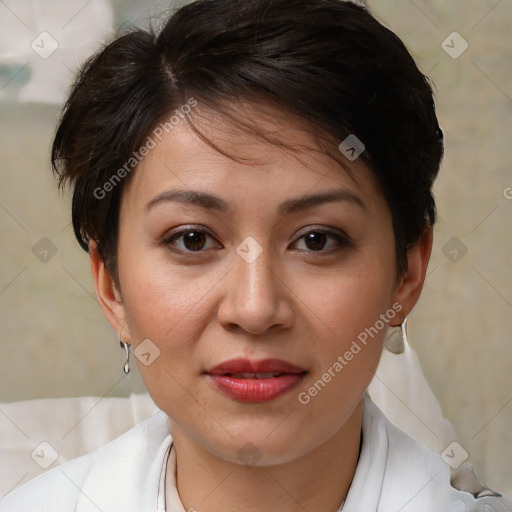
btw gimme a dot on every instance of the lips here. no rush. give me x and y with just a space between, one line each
255 381
238 366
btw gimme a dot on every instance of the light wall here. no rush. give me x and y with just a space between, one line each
55 341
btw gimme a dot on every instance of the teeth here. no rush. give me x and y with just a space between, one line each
267 375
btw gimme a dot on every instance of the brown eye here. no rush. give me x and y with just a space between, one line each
191 240
194 240
322 241
315 240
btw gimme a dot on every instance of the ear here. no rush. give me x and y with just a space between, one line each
411 283
108 295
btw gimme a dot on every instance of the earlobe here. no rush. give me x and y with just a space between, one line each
108 295
411 283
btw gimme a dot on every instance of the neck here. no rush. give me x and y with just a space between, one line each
318 480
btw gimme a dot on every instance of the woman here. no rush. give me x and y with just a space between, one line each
253 185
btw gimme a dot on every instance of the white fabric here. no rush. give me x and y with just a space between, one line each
401 391
394 473
71 426
76 426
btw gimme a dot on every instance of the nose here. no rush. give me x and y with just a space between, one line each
256 298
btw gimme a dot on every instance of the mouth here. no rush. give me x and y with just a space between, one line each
255 381
267 375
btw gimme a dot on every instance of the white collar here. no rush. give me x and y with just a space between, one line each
369 464
394 472
168 497
134 460
376 465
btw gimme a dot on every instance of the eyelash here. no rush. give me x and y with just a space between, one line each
343 241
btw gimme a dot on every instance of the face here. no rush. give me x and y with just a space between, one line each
255 293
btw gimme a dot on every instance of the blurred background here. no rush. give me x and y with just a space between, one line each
55 341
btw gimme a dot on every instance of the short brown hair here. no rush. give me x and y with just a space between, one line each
328 61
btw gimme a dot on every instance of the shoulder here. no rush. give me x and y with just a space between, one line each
58 490
416 479
87 483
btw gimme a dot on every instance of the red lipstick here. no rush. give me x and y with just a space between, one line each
255 381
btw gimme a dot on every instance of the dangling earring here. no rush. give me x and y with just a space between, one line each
126 347
396 337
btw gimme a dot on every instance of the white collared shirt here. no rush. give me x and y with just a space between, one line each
394 474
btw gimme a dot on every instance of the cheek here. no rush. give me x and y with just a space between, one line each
162 305
165 308
349 338
347 302
350 312
160 297
350 317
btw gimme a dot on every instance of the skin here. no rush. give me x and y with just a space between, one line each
294 303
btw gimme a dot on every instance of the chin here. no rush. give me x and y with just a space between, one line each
263 447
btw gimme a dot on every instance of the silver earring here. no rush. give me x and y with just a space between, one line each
126 347
396 337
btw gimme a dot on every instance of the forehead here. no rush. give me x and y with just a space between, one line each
270 154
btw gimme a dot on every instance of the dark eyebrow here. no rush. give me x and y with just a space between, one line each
212 202
310 200
202 199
